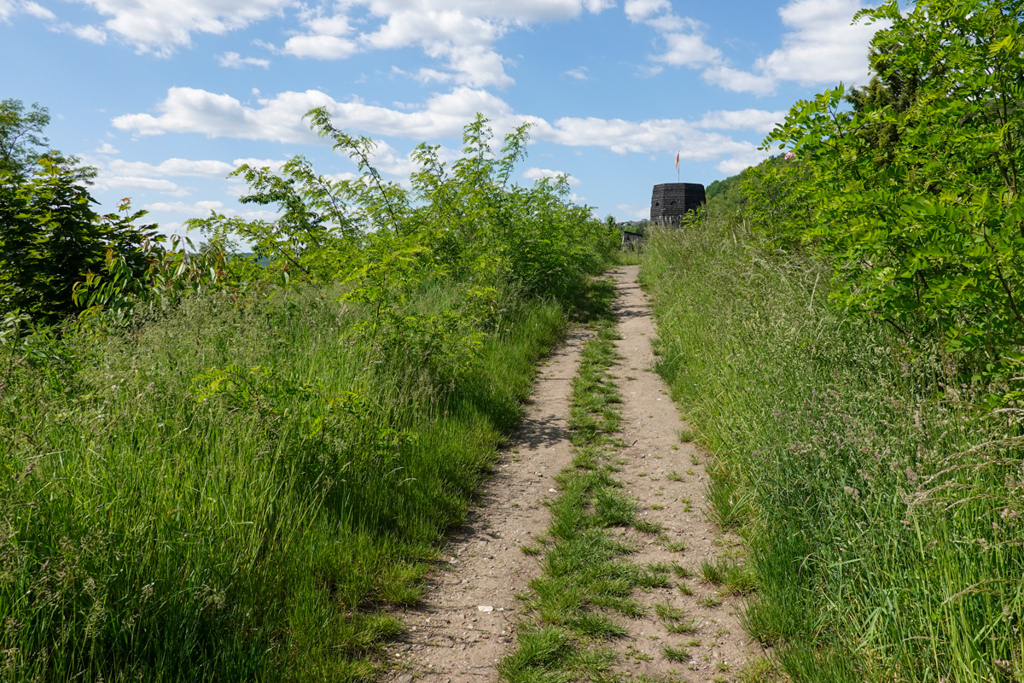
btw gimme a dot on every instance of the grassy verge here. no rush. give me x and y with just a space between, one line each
882 511
587 578
241 490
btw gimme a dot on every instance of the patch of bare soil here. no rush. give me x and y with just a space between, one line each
466 623
669 480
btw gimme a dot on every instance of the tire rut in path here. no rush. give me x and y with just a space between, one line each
466 623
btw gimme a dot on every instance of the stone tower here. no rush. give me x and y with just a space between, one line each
671 201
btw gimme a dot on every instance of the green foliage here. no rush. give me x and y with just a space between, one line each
913 195
728 194
21 136
465 226
51 238
882 511
123 294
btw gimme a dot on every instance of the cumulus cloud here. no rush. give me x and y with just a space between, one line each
459 34
138 175
9 8
203 168
195 208
580 73
688 49
639 137
233 60
191 110
443 116
740 81
820 46
320 47
538 173
325 38
159 27
90 33
106 180
757 120
683 36
738 162
639 10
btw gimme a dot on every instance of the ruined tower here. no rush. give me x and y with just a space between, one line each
671 201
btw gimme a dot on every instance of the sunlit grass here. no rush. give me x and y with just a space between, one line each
239 491
850 464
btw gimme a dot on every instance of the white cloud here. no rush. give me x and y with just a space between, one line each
203 168
738 162
106 148
90 33
688 49
158 26
460 34
138 175
639 10
740 81
233 60
188 110
388 160
633 211
820 47
823 47
639 137
9 8
106 180
538 173
580 73
683 36
194 209
757 120
319 47
463 40
325 38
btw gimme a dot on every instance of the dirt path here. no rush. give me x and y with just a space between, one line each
466 623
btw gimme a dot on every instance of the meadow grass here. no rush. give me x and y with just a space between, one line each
881 508
241 490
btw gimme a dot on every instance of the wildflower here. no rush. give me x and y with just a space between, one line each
790 155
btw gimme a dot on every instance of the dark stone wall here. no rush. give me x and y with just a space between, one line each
671 201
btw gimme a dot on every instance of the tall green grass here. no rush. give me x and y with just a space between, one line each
882 510
240 490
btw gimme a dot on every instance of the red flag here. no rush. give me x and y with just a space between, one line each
677 161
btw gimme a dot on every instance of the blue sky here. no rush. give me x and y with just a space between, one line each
166 97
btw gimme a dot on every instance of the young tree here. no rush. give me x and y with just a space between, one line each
916 190
21 138
50 235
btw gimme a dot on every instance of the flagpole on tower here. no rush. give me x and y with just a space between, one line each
677 167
